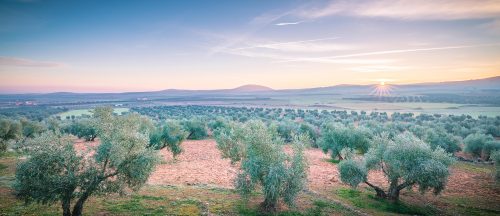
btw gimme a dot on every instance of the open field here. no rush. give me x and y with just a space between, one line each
199 182
80 112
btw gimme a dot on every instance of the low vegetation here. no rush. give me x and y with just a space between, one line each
266 145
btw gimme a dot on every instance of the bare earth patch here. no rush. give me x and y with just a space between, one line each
201 164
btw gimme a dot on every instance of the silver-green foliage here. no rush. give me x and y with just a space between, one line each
170 135
405 160
496 159
264 161
55 171
9 130
438 136
338 139
481 145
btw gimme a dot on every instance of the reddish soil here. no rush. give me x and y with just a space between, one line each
201 163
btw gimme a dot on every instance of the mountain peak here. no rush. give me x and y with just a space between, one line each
252 88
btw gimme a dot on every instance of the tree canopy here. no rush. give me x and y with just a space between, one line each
342 140
405 161
264 162
56 171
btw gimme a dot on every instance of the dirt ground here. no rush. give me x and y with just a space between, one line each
201 163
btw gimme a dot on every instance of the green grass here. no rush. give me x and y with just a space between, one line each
475 168
319 208
136 205
368 201
80 112
333 161
3 167
470 206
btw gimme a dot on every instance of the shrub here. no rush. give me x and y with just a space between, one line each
264 162
406 161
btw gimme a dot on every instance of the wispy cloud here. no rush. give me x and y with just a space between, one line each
408 9
255 25
287 57
378 68
396 51
288 23
301 46
21 62
492 27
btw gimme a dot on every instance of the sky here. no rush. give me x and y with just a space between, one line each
117 46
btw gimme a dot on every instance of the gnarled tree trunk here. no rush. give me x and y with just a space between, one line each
268 206
66 206
78 208
393 193
380 193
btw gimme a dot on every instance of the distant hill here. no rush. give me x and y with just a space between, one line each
472 88
252 88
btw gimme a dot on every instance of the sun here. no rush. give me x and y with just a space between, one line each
382 89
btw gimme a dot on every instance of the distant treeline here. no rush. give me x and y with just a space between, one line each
435 98
37 113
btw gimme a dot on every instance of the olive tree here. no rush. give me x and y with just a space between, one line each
196 129
264 162
84 128
481 145
406 161
311 131
170 136
9 130
230 140
342 140
439 137
31 128
496 159
55 171
286 129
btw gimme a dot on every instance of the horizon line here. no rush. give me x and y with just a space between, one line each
225 89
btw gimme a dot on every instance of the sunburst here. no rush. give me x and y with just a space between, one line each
382 89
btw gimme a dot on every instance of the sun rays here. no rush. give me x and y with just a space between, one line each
382 89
